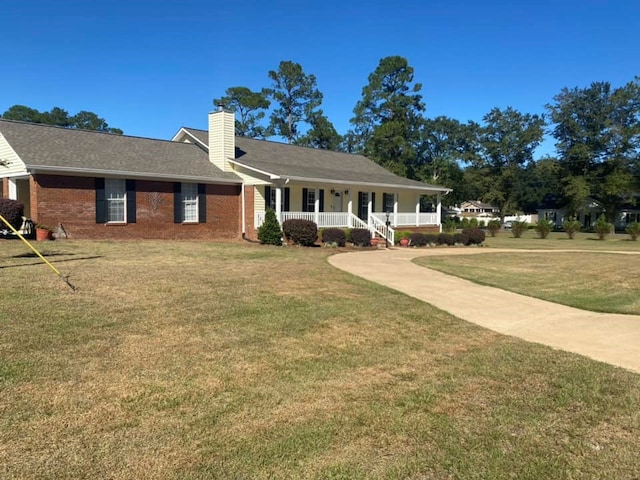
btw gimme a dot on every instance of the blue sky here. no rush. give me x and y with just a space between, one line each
150 68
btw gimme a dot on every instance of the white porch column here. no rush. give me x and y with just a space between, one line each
369 207
439 211
350 207
278 204
395 210
417 210
13 189
316 207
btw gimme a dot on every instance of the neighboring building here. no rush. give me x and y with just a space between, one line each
589 213
202 184
476 208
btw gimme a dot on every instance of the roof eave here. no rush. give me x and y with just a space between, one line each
133 175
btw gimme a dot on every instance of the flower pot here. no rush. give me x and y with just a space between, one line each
374 242
43 234
404 242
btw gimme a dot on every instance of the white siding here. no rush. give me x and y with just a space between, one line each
222 142
8 154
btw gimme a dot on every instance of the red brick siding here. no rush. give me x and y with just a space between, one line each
249 216
71 201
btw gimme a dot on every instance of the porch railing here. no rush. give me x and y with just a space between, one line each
408 219
380 227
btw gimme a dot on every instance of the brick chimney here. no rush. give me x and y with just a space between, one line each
222 142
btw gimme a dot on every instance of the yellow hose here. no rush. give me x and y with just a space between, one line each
64 279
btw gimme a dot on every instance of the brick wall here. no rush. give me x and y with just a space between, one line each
71 201
249 218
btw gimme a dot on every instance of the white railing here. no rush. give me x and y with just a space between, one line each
380 227
377 221
408 219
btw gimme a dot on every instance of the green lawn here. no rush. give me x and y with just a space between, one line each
194 360
602 282
559 240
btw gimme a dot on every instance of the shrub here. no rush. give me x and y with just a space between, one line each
449 225
461 238
475 236
518 228
300 232
544 227
400 234
361 237
270 232
464 223
473 223
602 227
633 229
431 238
493 226
12 211
335 236
571 227
418 239
444 239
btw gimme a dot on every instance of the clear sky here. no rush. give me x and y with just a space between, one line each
152 67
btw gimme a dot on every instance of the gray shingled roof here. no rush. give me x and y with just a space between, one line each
82 150
292 161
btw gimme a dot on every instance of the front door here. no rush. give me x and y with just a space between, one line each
337 202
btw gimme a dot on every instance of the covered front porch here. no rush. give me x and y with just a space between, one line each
379 211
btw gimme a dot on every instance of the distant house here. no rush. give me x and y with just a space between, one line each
589 212
202 184
476 208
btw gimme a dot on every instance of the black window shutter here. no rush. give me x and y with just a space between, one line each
305 199
373 201
131 201
177 202
101 204
286 198
360 206
267 197
322 200
202 203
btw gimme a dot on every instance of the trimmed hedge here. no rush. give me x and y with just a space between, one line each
444 239
361 237
335 236
301 232
475 235
12 211
461 238
419 239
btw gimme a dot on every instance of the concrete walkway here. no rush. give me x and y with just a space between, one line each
610 338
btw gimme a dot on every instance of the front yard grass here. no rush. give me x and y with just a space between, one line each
600 282
194 360
559 240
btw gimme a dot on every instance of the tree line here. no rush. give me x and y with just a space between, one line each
596 131
59 117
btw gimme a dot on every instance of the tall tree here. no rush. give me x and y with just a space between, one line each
387 119
60 117
597 132
297 96
322 134
249 106
507 142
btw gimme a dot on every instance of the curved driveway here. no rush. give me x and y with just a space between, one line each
610 338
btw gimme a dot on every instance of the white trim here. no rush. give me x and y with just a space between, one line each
262 172
190 135
31 169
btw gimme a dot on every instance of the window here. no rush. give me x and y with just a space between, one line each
270 198
116 198
189 202
363 205
310 201
388 200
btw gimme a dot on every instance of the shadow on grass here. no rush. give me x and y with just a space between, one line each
46 255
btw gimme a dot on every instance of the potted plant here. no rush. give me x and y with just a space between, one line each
43 232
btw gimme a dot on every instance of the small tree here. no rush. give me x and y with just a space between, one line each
544 227
270 232
493 226
518 228
571 227
602 227
633 229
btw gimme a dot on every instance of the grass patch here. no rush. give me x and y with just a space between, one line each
193 360
594 281
559 240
